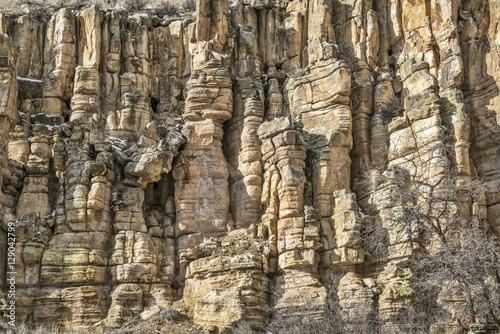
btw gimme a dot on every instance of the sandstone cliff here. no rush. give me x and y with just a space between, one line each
229 159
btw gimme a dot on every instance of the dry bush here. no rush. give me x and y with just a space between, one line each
72 4
189 5
453 255
166 9
41 329
134 6
468 266
391 110
241 327
39 10
171 314
11 7
171 322
330 318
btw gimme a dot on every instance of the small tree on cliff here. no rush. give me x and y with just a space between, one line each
438 223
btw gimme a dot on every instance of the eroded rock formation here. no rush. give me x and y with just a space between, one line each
229 160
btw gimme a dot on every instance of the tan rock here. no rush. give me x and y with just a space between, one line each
192 160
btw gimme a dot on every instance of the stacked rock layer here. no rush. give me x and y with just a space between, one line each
220 159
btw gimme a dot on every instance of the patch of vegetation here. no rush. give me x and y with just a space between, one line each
72 4
134 6
166 9
171 314
189 5
169 321
241 327
43 10
391 110
39 10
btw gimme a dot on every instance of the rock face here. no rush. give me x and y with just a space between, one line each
225 160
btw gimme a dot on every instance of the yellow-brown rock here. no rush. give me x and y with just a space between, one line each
221 162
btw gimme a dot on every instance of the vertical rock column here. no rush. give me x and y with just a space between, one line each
355 297
385 88
359 40
201 173
76 254
479 41
59 62
32 235
347 221
101 174
8 111
30 153
322 107
35 193
379 137
293 241
241 143
85 99
133 260
244 156
19 150
274 100
444 22
456 122
416 139
408 65
395 277
111 66
326 117
415 153
28 35
168 65
36 204
139 256
140 262
135 81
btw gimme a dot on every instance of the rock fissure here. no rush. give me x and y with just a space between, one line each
220 162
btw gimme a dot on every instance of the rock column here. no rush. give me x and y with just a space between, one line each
293 241
8 108
59 62
201 173
241 143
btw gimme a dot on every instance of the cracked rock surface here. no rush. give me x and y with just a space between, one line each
218 160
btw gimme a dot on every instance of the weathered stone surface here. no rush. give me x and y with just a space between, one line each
226 280
224 161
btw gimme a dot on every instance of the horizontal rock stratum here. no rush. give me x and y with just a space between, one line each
228 162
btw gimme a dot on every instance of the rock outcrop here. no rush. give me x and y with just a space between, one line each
232 160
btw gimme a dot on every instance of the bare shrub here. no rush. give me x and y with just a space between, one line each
241 327
38 10
71 4
468 266
134 6
166 8
329 318
189 5
157 324
391 110
34 329
452 255
43 10
170 314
